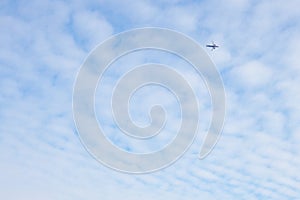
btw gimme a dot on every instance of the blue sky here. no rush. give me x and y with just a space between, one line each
43 44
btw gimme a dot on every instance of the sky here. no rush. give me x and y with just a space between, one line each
44 43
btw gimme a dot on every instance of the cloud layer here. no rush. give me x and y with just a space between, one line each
43 44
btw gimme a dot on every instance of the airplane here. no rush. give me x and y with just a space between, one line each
212 46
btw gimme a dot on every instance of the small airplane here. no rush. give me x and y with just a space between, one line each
212 46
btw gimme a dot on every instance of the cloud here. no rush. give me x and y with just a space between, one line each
252 75
90 29
43 43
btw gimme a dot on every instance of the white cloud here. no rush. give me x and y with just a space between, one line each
90 28
251 75
257 156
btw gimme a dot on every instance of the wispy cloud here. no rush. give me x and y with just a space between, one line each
42 45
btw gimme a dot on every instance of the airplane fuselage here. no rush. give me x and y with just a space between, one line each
213 46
